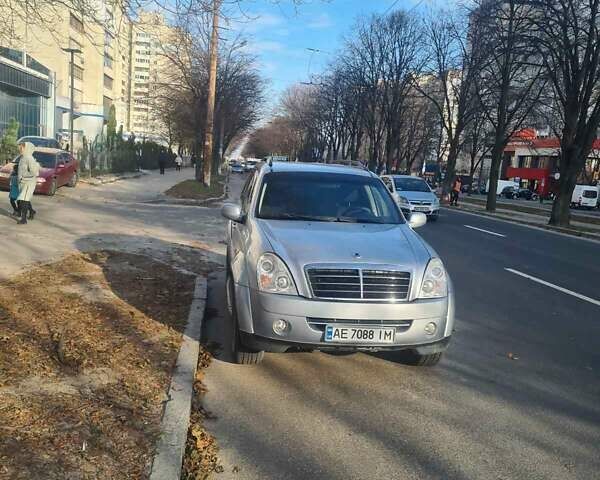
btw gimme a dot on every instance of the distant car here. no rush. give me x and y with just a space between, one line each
413 194
527 194
58 168
509 192
237 168
45 142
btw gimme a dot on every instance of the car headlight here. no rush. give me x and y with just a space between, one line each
435 280
436 201
403 201
273 275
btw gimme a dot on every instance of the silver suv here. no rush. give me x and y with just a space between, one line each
320 257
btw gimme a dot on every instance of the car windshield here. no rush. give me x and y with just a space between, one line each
326 197
411 185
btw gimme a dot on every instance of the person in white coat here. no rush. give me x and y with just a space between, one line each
27 174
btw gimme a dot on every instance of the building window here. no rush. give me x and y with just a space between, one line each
108 82
142 69
141 85
77 72
75 23
108 61
142 60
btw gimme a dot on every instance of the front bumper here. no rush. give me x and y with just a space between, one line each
307 318
426 209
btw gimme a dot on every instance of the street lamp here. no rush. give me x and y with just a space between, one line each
72 51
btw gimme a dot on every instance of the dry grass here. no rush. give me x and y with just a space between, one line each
195 190
87 346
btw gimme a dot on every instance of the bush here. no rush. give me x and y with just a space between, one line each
8 143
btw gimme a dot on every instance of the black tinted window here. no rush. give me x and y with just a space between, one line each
326 197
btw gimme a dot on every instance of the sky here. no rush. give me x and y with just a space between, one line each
280 33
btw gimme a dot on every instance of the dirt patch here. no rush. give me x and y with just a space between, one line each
201 457
87 346
195 190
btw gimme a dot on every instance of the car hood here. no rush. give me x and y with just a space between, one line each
418 196
301 243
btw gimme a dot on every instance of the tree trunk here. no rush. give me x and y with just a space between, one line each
450 168
497 152
570 167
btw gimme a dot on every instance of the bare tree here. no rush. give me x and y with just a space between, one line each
454 50
509 85
565 34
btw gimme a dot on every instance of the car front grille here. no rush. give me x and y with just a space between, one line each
358 284
424 203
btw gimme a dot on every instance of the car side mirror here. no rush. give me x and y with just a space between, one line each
232 212
417 219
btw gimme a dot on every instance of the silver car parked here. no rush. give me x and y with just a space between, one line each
413 194
319 257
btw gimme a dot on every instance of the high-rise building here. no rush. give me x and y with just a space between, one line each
120 63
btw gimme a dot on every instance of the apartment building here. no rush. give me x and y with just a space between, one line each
120 63
149 39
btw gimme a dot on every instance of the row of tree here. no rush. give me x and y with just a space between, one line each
458 84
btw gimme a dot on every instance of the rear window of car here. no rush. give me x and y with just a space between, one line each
411 185
326 197
590 193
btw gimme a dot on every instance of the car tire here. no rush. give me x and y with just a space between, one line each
74 179
241 354
53 188
417 360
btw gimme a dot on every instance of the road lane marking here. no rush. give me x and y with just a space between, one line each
555 287
485 231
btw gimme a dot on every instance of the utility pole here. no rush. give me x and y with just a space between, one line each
72 51
210 104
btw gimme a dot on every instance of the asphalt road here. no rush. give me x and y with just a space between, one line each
517 395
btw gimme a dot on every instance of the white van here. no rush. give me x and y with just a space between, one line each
502 184
584 196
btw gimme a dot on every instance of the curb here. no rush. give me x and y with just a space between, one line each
564 231
103 181
176 415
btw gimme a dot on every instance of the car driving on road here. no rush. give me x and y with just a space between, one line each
320 257
413 194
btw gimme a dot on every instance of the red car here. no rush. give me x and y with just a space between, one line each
58 168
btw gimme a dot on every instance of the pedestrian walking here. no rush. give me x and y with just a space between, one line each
456 186
178 162
162 161
27 174
13 192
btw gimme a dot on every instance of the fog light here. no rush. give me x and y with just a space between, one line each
280 327
430 328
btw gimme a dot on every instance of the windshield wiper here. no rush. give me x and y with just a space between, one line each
306 218
357 220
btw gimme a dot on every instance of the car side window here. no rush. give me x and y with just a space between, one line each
246 195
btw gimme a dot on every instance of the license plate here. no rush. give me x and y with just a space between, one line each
359 335
421 209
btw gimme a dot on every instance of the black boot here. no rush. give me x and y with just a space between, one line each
23 210
32 212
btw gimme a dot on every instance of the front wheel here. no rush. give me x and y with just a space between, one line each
417 360
241 355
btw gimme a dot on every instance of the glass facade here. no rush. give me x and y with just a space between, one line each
28 109
24 96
